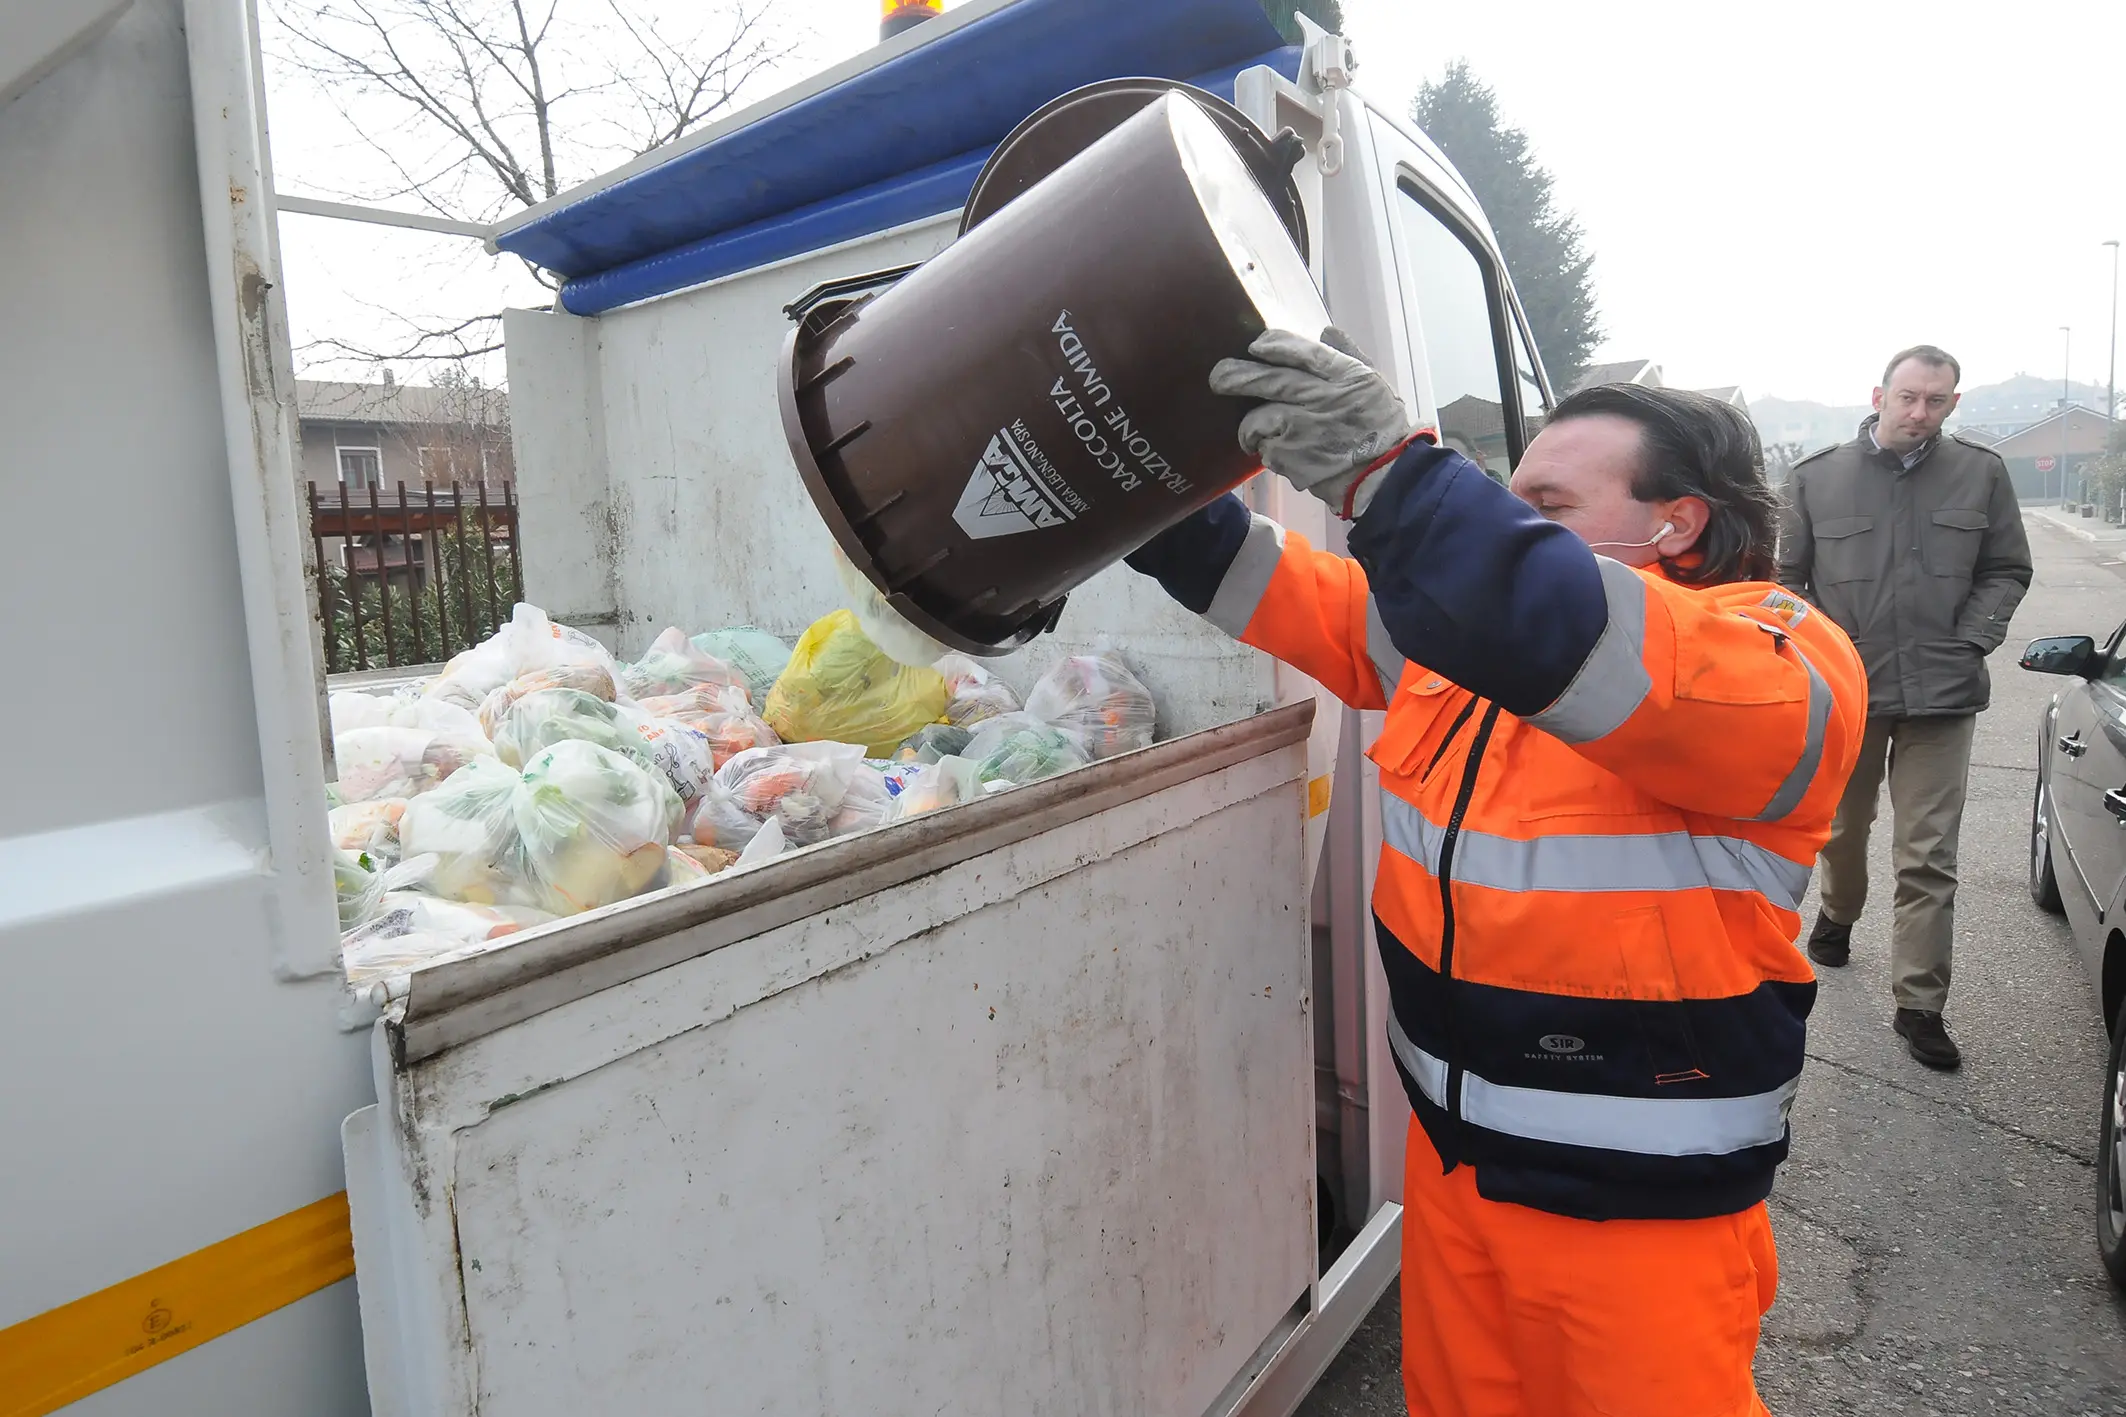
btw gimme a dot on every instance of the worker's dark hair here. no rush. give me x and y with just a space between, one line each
1926 354
1695 446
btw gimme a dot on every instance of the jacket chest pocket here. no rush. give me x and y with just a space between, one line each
1845 550
1421 717
1952 542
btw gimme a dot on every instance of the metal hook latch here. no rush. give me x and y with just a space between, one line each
1325 67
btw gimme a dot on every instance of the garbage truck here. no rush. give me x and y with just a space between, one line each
1071 1099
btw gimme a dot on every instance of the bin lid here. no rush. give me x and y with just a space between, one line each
1062 128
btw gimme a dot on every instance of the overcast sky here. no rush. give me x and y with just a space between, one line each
1776 195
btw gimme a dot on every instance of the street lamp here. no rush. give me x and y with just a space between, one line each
2111 395
2081 488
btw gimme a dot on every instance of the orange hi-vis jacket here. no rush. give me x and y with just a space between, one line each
1602 793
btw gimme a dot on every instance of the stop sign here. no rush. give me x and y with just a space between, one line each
2047 464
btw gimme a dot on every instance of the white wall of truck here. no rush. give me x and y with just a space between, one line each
177 1068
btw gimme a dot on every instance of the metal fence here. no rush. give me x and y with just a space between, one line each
412 575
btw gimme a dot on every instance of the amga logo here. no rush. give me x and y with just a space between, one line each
1004 496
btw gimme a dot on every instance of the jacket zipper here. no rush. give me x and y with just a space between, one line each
1446 909
1448 741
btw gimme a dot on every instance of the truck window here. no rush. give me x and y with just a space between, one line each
1457 310
1535 404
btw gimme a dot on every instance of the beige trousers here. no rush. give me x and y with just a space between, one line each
1927 761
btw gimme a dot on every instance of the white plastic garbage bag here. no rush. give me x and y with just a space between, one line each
758 656
594 825
400 762
973 692
1019 748
529 644
1097 701
674 664
800 785
351 710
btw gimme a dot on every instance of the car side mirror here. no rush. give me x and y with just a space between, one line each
2060 654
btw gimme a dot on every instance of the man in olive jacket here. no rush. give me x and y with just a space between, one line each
1913 543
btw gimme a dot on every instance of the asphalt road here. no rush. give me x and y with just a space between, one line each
1935 1229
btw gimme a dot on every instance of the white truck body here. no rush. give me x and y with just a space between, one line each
760 1145
171 1023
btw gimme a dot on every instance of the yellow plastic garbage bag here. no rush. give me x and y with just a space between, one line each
839 686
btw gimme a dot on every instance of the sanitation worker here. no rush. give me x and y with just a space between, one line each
1612 751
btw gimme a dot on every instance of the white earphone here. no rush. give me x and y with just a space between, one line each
1667 529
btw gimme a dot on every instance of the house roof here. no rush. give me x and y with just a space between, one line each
1622 371
334 401
2086 431
1727 393
1475 417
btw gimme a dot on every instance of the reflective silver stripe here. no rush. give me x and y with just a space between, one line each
1430 1072
1648 861
1388 661
1796 786
1648 1126
1247 580
1612 683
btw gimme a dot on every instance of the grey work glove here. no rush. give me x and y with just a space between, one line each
1327 420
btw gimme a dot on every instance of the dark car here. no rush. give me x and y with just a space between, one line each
2078 867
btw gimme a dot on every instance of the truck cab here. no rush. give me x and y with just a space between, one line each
1076 1099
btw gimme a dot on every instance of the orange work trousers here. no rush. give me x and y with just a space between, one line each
1512 1312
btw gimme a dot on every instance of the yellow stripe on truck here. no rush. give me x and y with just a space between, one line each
1318 796
64 1354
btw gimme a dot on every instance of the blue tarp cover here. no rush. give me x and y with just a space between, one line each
895 143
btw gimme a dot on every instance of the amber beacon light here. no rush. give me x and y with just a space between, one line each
898 15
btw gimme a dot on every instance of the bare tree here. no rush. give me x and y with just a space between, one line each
1779 460
472 109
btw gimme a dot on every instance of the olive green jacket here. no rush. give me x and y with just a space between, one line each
1922 567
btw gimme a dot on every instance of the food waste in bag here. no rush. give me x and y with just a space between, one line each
593 789
708 860
376 763
931 742
800 785
945 783
1020 748
545 717
593 680
1096 700
357 884
369 828
594 825
467 827
581 827
411 930
682 753
758 656
722 715
529 644
840 687
864 805
973 693
351 710
673 664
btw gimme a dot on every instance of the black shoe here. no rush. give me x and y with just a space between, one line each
1830 943
1930 1043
